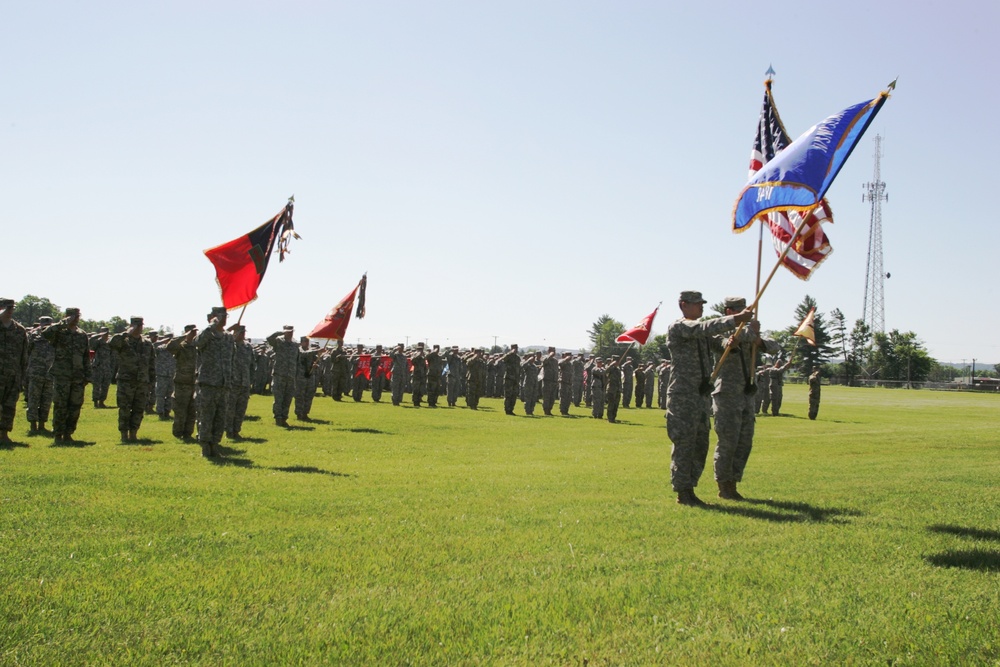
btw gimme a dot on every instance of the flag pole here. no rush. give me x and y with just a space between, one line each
760 244
240 318
627 350
760 292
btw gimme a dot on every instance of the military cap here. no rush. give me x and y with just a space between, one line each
288 327
314 346
238 328
166 335
420 344
70 312
190 327
136 322
6 303
735 302
102 330
691 296
218 311
45 319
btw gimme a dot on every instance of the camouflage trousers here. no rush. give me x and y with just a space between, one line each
650 390
131 398
627 395
776 396
397 384
577 391
378 386
338 385
530 397
101 382
164 395
763 398
472 393
283 390
509 395
550 389
211 413
67 399
184 410
566 396
734 425
687 428
39 398
305 391
418 387
813 403
236 409
597 398
613 399
10 391
433 390
358 388
454 388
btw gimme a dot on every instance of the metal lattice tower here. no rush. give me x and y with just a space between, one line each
873 313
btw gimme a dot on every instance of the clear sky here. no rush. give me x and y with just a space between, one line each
500 169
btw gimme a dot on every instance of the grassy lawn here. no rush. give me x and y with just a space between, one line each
395 536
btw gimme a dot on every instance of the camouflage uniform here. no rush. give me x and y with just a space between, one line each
400 370
166 365
338 372
435 366
418 379
358 380
475 378
240 382
378 378
613 390
213 372
41 354
13 362
663 377
688 396
577 380
136 369
286 361
628 382
550 381
597 379
815 382
650 383
640 385
455 373
511 363
529 371
776 381
565 384
186 357
763 401
101 369
305 382
70 374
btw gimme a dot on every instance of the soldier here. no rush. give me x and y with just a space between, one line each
565 383
815 382
166 365
136 370
70 373
663 377
13 364
776 381
550 381
628 382
733 401
613 390
475 379
214 370
688 394
435 367
418 379
455 374
378 374
338 370
286 359
763 390
640 384
511 363
239 382
650 383
597 379
529 371
41 354
577 379
186 357
588 395
305 378
358 376
398 374
101 369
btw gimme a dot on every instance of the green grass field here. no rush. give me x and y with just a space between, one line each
400 536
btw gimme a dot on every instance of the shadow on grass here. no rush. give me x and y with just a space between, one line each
310 420
312 470
73 443
291 427
785 512
974 533
12 444
373 431
256 441
251 418
973 559
230 461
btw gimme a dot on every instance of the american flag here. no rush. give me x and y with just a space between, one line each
812 246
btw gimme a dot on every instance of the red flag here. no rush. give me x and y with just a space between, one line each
384 367
241 263
334 325
364 366
640 332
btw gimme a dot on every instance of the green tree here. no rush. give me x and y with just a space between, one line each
30 307
838 340
654 349
810 356
603 333
857 359
900 357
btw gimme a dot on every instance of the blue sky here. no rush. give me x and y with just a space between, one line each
511 170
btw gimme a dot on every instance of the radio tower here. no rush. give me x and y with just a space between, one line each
873 313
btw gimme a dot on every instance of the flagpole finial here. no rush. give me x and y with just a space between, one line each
770 72
291 200
892 86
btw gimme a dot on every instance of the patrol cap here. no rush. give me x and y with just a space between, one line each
691 296
70 312
218 311
288 327
239 328
102 330
45 319
134 321
314 346
303 339
6 303
190 327
735 303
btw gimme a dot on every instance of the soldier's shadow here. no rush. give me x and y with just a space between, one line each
251 418
73 443
786 512
256 441
12 444
310 470
231 461
317 421
981 559
296 427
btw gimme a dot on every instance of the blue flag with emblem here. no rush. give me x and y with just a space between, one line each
798 177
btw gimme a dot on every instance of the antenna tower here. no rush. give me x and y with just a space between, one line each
873 312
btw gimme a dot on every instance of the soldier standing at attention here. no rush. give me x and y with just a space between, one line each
154 339
650 383
165 367
378 374
475 380
763 391
565 383
13 363
640 385
41 354
70 373
613 390
454 361
435 366
815 383
305 378
776 378
688 394
733 401
100 367
577 379
399 373
214 370
597 379
418 380
628 381
136 370
529 370
338 370
663 375
286 360
358 380
550 381
239 383
511 363
186 357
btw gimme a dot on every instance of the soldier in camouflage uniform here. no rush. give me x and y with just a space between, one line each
13 363
650 383
663 377
378 374
41 354
136 370
100 367
70 373
455 373
511 364
166 365
186 357
613 390
688 394
154 338
815 383
733 401
359 381
577 379
435 366
597 379
240 381
337 360
776 382
628 381
400 371
588 395
475 378
640 384
529 371
550 381
418 379
286 361
305 378
214 370
565 383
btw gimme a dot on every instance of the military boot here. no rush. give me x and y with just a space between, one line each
4 437
687 497
206 450
124 436
732 490
32 428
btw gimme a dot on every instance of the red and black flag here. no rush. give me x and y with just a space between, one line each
334 325
640 332
241 263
